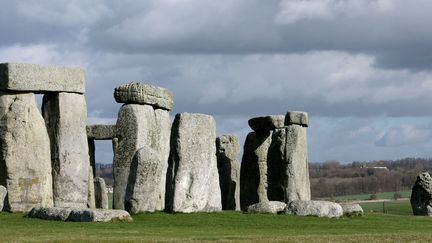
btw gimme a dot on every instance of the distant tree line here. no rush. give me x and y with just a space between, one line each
332 178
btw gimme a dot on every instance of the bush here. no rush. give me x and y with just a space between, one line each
373 197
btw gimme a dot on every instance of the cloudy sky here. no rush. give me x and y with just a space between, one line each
361 68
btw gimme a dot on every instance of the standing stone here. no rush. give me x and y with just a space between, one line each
253 171
66 117
3 193
139 126
91 190
101 196
193 184
421 195
288 167
143 192
25 164
92 157
227 150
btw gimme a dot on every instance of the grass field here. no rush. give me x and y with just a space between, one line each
384 195
226 226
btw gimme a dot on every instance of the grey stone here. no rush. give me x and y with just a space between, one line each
351 209
227 151
101 195
314 208
193 184
41 78
79 215
101 132
25 158
98 215
267 123
297 117
51 213
421 195
91 200
143 192
3 192
288 167
139 126
66 118
253 170
139 93
92 151
267 207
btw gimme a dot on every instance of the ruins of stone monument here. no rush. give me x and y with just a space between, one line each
143 120
101 195
274 165
44 161
227 151
192 178
421 195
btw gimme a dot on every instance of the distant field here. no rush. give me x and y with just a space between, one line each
226 226
400 207
384 195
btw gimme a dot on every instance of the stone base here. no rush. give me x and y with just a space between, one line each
80 215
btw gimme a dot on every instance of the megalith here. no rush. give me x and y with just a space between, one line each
91 200
66 117
143 193
142 121
288 168
25 158
253 170
3 192
421 195
101 195
227 151
193 180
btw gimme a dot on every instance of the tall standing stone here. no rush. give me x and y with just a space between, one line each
91 201
101 196
227 150
139 126
193 184
288 167
25 164
253 170
421 195
66 117
3 192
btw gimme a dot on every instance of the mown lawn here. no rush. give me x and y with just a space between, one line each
226 226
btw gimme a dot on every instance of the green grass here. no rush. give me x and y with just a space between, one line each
226 226
400 207
384 195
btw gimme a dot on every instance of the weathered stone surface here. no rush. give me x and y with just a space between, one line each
79 215
351 209
193 184
297 117
314 208
61 214
253 170
41 78
101 195
139 126
66 117
267 123
139 93
98 215
25 160
227 151
421 195
288 167
91 200
267 207
3 192
101 132
143 193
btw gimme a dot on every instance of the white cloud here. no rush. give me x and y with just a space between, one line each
63 12
292 11
405 134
